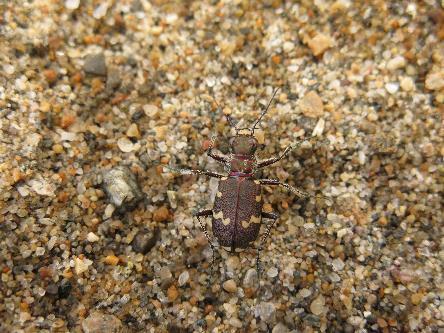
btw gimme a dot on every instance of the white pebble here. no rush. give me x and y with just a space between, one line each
42 187
288 46
39 251
51 243
341 233
92 237
23 190
265 310
338 264
272 272
125 144
183 278
100 10
407 84
319 128
304 293
309 226
392 87
109 210
72 4
8 69
396 63
81 265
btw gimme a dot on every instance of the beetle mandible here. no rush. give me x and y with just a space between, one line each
237 210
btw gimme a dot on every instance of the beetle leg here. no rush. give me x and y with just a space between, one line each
286 151
220 158
273 217
203 227
193 172
298 192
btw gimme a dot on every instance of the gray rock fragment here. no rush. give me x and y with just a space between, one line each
121 186
145 240
95 64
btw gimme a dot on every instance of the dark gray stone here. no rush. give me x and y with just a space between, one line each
95 64
145 240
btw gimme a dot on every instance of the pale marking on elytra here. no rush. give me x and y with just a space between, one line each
257 182
219 194
253 219
258 198
224 178
220 215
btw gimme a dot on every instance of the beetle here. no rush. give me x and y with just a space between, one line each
237 211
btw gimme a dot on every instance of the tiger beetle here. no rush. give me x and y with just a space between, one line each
237 211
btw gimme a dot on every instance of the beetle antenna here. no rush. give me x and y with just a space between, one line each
265 111
229 119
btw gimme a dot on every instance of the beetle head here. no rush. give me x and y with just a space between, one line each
244 143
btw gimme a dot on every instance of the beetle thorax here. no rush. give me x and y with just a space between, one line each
242 165
243 148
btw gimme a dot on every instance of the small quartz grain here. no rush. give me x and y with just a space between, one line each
230 286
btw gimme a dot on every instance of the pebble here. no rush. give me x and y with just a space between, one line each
396 63
95 64
113 80
133 131
317 307
311 105
72 4
435 80
145 240
122 188
280 328
320 43
183 278
230 286
92 237
338 264
161 214
319 128
50 75
304 293
233 263
250 279
165 274
125 144
416 298
100 10
235 322
81 265
265 310
272 272
172 293
392 87
407 84
111 260
98 322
